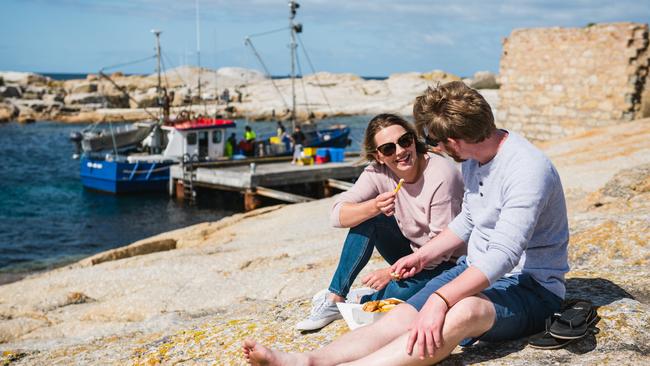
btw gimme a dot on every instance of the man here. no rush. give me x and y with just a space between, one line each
248 144
515 225
298 138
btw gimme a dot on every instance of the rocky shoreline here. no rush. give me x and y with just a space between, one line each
28 97
192 295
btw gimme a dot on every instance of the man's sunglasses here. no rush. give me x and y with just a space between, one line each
389 148
431 141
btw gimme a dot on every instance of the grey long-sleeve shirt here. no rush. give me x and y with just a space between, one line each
514 217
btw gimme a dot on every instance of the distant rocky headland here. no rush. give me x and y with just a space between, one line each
27 97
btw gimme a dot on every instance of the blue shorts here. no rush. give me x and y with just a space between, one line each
520 302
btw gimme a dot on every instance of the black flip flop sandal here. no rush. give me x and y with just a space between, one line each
574 321
544 339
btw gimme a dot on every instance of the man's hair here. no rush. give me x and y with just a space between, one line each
382 121
453 110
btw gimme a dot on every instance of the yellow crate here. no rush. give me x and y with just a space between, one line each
274 140
309 151
308 160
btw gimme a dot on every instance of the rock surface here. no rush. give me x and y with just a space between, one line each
192 295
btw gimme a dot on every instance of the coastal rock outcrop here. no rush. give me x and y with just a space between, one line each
8 112
250 93
11 91
483 80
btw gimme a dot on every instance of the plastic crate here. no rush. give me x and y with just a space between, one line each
337 154
309 151
306 161
323 152
320 159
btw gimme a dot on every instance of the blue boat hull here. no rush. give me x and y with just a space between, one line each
124 177
334 137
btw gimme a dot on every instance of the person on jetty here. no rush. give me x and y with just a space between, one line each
514 222
298 139
394 221
247 145
231 143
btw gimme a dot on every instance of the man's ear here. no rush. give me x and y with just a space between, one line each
452 142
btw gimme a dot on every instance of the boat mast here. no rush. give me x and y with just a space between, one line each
157 33
294 27
198 45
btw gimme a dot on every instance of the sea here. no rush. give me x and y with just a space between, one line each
47 219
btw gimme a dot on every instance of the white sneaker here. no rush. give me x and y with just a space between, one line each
322 313
318 297
354 296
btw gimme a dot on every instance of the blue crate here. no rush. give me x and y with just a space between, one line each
337 154
323 152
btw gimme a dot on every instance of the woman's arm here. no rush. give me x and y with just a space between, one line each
352 214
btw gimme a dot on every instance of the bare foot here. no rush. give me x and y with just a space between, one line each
256 354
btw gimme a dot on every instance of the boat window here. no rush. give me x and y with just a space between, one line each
191 138
216 137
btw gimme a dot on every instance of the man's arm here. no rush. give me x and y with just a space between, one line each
426 329
434 251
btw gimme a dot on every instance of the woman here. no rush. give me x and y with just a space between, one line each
396 223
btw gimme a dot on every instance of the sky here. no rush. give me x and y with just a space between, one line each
364 37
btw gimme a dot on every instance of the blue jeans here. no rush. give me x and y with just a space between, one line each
383 233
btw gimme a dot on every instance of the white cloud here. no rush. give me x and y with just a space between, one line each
439 39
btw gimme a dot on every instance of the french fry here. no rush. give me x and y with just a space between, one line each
381 306
399 185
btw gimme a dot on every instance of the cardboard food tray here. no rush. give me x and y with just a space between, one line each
354 315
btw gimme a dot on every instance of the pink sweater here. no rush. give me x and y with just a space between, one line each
422 209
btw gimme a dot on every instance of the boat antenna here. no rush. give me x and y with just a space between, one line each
293 28
157 33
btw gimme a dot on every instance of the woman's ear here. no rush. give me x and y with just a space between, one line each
377 158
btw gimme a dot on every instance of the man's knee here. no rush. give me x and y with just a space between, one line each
474 313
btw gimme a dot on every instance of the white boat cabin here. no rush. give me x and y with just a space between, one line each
197 139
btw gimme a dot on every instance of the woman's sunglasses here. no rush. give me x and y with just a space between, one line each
389 148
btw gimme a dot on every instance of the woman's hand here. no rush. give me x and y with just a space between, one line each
408 266
378 279
385 203
426 329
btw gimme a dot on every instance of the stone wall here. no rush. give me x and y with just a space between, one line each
561 81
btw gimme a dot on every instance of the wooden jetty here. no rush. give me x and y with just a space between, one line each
263 177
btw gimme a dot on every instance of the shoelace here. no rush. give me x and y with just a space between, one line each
318 309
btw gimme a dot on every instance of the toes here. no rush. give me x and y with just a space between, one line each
249 343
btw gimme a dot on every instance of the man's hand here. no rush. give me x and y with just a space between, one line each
385 203
426 329
407 266
378 279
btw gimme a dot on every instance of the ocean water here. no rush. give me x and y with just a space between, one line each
47 219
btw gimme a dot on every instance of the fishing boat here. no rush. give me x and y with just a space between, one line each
334 136
135 169
137 157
